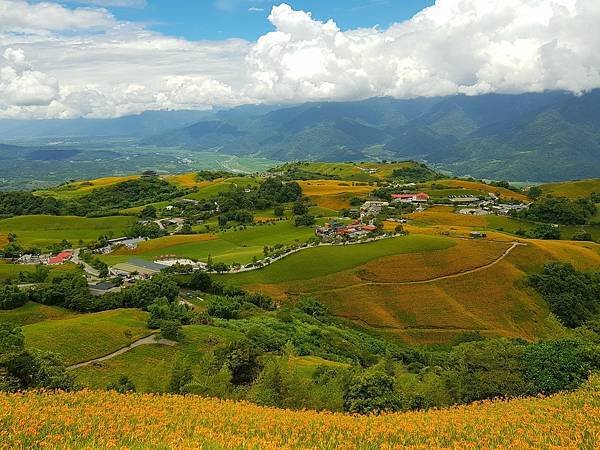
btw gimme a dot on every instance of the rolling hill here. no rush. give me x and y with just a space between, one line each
535 137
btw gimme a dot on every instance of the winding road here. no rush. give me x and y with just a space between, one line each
148 340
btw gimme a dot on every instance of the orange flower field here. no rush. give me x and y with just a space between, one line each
90 419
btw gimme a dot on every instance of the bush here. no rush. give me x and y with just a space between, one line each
12 297
572 295
371 392
545 231
171 329
551 367
305 220
122 386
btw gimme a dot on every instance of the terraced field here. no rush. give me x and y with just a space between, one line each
326 260
43 230
356 171
11 271
213 188
149 366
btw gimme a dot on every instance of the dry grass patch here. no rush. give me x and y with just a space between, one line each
187 180
333 194
445 216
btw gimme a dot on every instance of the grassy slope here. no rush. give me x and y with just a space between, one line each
352 171
482 187
229 246
43 230
32 313
88 336
374 294
326 260
149 366
333 194
81 188
11 271
107 419
572 189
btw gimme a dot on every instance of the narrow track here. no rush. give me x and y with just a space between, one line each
430 280
148 340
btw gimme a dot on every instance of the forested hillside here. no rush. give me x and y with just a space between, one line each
536 137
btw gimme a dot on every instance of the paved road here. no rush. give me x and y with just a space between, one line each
148 340
89 269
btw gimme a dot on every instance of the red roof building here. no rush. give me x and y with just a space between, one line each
61 258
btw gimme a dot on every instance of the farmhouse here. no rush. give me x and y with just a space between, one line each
137 268
372 208
421 197
337 230
61 258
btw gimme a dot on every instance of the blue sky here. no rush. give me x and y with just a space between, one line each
221 19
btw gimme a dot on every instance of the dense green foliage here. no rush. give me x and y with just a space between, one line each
416 173
572 295
560 210
22 368
25 203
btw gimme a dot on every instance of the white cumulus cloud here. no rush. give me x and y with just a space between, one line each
61 61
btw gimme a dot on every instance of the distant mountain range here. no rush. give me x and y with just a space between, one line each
535 137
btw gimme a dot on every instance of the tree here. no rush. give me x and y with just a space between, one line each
300 208
305 220
180 376
123 385
22 368
149 212
279 211
371 391
241 358
312 307
534 192
171 329
545 231
551 367
12 297
486 369
572 295
200 281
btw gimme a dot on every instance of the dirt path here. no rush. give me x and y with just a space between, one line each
148 340
431 280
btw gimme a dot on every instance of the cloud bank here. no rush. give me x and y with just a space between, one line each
72 62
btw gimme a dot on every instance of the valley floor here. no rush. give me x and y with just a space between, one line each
90 419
